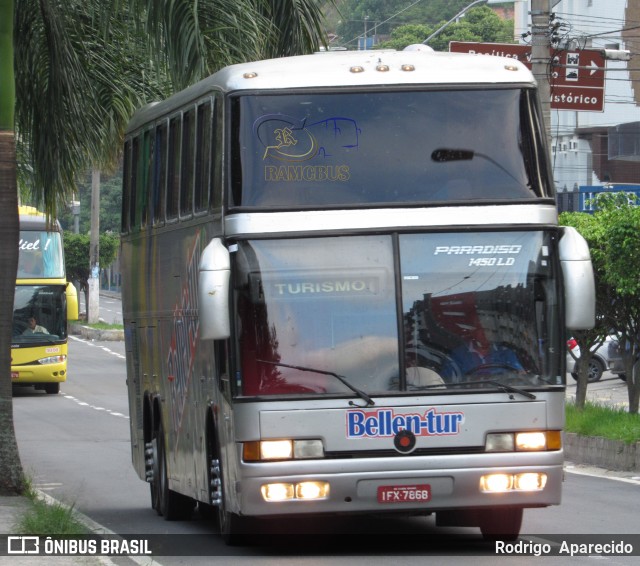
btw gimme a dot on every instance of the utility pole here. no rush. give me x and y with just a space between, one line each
93 308
540 49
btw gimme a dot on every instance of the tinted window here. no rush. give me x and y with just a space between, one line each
387 147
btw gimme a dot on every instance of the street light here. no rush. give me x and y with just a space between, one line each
437 32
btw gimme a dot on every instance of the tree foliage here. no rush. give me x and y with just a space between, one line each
81 68
417 23
479 24
613 234
76 250
110 205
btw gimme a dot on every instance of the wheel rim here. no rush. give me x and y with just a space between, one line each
595 370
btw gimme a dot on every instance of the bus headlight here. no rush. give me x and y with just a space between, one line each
52 360
276 450
531 441
523 441
267 450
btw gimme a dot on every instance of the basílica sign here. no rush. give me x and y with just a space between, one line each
577 77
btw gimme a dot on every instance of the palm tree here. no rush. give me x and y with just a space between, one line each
81 68
11 477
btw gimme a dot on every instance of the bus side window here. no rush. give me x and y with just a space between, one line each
215 158
188 162
173 175
158 188
145 176
133 193
126 186
203 162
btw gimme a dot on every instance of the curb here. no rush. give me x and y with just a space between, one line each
604 453
96 334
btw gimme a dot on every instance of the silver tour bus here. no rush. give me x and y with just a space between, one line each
345 291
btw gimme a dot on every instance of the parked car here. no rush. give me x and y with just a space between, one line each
604 358
615 360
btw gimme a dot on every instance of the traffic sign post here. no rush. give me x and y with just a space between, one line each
577 79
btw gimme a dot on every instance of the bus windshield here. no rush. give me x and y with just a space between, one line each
40 255
415 147
39 314
476 309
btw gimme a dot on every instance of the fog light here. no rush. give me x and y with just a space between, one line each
531 441
530 481
277 491
312 490
496 483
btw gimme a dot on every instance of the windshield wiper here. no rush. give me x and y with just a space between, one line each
444 155
503 386
512 389
339 377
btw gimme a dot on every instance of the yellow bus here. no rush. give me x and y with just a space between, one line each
43 303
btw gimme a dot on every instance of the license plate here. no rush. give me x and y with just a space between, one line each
404 493
15 375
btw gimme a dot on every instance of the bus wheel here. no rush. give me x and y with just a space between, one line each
52 388
229 524
153 472
171 505
501 524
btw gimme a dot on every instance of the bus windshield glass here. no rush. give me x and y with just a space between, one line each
39 314
375 148
40 255
461 311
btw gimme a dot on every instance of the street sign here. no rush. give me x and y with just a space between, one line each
512 50
577 77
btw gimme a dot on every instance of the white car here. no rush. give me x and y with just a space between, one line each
600 361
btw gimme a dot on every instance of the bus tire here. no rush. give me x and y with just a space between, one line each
52 388
229 524
170 504
501 523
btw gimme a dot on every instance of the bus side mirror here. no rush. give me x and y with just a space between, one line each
72 302
213 291
579 283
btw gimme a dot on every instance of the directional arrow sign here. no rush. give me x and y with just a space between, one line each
577 78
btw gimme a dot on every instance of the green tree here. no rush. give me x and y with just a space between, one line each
479 24
620 220
589 340
76 250
110 204
80 72
613 234
11 476
383 16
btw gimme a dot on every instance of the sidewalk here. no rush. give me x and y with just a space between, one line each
12 509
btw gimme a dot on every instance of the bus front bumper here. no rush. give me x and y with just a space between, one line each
411 485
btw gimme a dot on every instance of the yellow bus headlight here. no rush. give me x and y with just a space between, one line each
52 360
